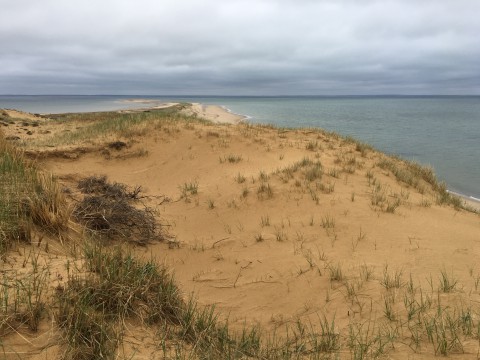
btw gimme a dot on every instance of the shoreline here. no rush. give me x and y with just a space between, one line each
215 113
218 114
468 200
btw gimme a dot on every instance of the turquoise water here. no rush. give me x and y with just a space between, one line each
440 131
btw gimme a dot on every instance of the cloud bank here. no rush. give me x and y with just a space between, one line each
266 47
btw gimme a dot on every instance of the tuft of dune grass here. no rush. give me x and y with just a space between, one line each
28 198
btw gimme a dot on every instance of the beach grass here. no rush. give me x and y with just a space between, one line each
28 198
91 126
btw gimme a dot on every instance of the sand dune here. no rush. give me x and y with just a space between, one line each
274 225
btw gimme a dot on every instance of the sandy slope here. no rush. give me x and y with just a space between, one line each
267 258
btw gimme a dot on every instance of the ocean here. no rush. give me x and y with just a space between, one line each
440 131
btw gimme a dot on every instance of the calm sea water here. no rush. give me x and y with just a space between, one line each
443 132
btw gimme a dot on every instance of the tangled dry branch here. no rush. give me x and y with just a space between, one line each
107 209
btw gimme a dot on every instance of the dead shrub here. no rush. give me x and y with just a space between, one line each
100 186
110 213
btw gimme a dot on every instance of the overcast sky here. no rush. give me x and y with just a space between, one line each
242 47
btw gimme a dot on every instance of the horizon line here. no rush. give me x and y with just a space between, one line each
272 96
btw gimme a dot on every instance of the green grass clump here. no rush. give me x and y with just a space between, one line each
87 332
336 272
264 191
232 159
28 198
118 286
391 280
314 172
23 297
328 222
311 145
188 189
240 178
447 282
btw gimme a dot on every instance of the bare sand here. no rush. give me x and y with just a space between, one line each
149 104
264 237
215 113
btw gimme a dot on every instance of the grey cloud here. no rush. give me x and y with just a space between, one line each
240 47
